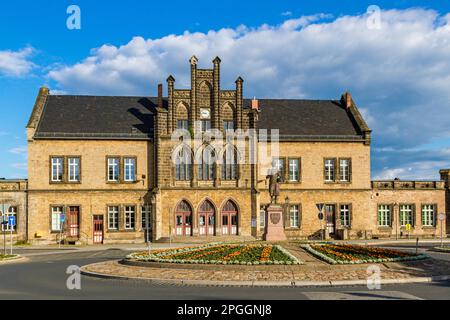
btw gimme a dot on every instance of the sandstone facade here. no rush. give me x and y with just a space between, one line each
199 201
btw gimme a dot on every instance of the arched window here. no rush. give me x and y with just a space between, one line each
207 164
183 164
229 163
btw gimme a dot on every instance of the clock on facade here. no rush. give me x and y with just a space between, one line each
205 113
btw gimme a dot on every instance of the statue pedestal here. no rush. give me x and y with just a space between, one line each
274 224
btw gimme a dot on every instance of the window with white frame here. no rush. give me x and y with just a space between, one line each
113 217
130 217
329 170
278 165
113 169
57 224
74 169
10 212
428 215
345 215
294 216
384 215
406 214
57 169
130 169
344 170
146 213
294 170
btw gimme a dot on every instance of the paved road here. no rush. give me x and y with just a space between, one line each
44 277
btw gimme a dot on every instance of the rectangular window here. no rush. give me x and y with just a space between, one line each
345 215
294 216
74 169
228 125
182 124
294 170
113 169
206 125
344 170
146 212
330 170
57 169
56 218
130 169
428 215
10 212
384 215
262 217
113 218
278 165
406 214
130 216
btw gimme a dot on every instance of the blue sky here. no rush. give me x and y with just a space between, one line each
399 75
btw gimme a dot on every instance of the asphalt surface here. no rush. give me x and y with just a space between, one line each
44 276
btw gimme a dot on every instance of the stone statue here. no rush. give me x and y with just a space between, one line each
274 186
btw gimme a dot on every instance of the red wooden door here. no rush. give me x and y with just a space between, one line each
74 222
206 221
183 220
330 215
98 230
230 219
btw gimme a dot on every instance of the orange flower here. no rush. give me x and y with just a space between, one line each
266 253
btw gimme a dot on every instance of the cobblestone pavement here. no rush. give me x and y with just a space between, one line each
313 270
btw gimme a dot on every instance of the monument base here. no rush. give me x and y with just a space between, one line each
274 224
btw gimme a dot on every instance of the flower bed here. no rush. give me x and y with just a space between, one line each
354 254
238 254
7 257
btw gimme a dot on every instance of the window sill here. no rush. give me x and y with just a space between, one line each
428 228
292 228
384 228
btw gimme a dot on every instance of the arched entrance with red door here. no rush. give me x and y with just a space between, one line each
206 219
230 218
183 219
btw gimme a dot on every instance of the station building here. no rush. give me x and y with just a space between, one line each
114 169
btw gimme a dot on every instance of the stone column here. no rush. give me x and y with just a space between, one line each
193 114
216 94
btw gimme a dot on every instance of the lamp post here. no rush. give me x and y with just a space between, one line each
287 201
396 216
147 226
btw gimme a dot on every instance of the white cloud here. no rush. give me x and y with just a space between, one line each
286 13
16 63
20 166
23 150
399 75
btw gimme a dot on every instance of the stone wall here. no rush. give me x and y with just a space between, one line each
14 193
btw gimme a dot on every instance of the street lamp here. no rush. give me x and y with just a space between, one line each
287 201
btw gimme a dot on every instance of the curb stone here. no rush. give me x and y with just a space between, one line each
251 283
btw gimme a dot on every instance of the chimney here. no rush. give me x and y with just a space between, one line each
255 104
348 100
160 96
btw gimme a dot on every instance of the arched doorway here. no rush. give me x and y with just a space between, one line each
183 219
206 219
229 218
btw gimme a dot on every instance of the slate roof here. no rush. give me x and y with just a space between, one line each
307 118
133 118
92 116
